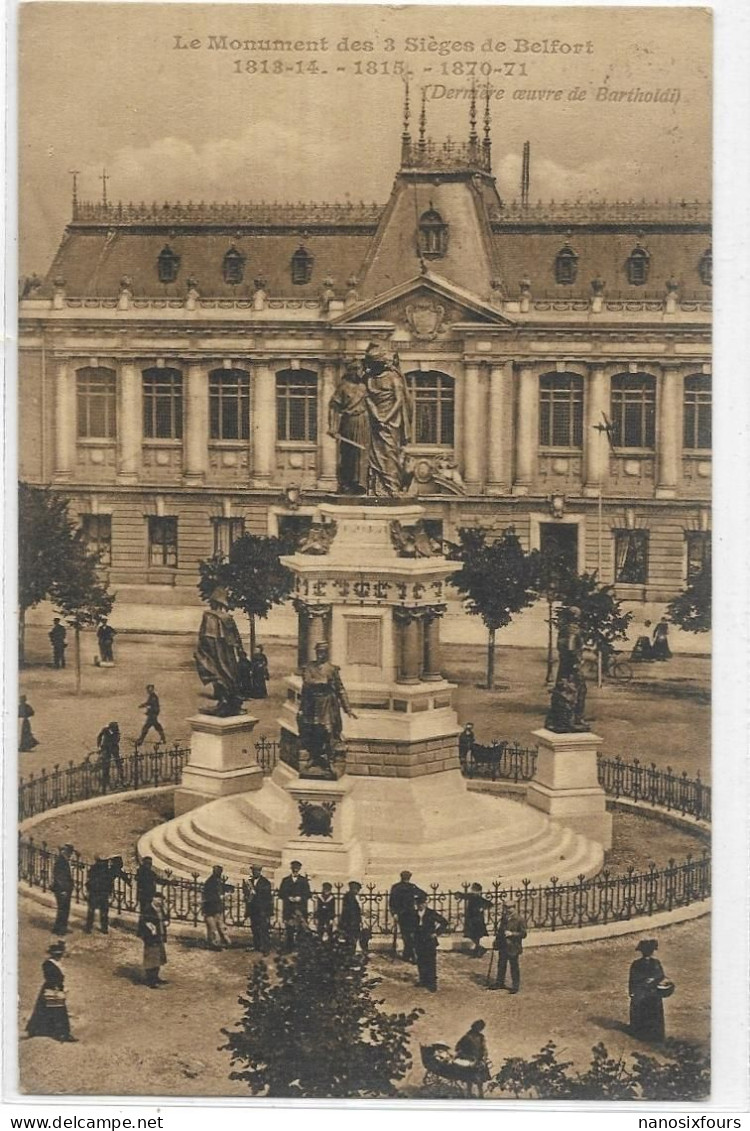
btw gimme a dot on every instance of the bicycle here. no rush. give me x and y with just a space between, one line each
613 666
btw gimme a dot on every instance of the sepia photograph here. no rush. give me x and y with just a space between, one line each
364 552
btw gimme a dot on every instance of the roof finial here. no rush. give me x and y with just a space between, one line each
525 174
406 136
487 142
74 174
473 115
423 118
104 178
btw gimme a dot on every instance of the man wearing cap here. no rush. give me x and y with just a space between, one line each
221 660
258 896
62 888
295 896
511 931
350 919
389 405
212 908
153 707
428 925
322 699
402 902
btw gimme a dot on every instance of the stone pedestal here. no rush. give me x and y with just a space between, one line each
324 838
566 786
222 761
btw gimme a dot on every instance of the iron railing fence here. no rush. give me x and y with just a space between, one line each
507 760
606 898
664 788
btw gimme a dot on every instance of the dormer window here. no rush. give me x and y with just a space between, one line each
566 266
233 266
167 265
706 267
433 234
302 266
637 266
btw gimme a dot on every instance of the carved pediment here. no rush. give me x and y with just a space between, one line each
426 307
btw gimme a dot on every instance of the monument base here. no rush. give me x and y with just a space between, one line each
222 761
566 784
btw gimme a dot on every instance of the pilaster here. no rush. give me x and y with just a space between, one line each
527 430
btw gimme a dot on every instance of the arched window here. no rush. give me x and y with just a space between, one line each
229 404
561 410
302 266
637 266
297 405
566 266
433 234
706 267
434 396
96 400
167 264
162 404
633 405
233 266
697 412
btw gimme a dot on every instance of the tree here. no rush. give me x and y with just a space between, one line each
253 576
53 564
316 1031
497 579
691 609
602 618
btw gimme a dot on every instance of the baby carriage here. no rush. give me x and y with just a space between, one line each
441 1064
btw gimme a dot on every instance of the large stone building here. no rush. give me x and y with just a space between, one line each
177 362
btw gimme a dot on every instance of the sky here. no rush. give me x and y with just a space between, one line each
107 85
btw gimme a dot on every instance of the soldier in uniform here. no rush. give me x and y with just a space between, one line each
402 903
322 700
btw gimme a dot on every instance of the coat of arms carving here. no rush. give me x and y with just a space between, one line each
425 318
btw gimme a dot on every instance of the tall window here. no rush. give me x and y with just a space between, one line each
233 266
226 533
561 410
162 540
434 396
637 266
297 405
97 536
633 410
631 557
229 404
706 267
162 404
697 412
566 266
433 235
698 545
167 264
95 401
302 266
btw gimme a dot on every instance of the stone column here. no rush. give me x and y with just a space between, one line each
196 424
431 665
65 421
668 432
326 444
129 423
472 428
595 442
263 424
499 431
409 650
527 430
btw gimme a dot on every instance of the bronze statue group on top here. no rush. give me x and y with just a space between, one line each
370 415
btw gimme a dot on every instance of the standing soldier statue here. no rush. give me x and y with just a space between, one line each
568 702
220 659
319 717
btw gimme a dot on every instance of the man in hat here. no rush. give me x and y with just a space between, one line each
57 635
428 926
322 699
350 919
295 896
62 888
146 881
258 896
402 903
212 907
389 405
511 931
220 659
153 707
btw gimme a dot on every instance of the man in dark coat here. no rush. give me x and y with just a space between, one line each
212 908
511 931
402 903
466 740
258 896
295 895
57 636
146 881
259 674
350 919
108 745
62 888
100 884
428 925
153 707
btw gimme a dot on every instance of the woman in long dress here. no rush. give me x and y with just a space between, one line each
646 1005
26 739
642 651
475 927
661 649
152 929
50 1016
